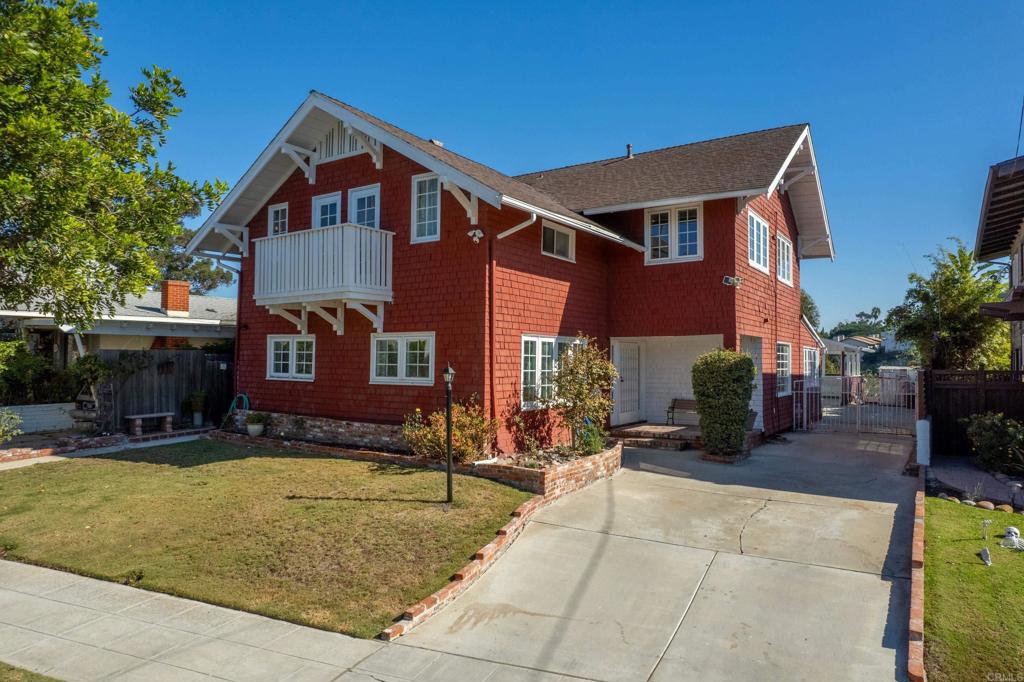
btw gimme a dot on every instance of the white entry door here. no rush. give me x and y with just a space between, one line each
752 345
626 356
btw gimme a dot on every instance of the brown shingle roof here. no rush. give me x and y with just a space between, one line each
722 165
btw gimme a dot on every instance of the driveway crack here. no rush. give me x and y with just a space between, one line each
757 511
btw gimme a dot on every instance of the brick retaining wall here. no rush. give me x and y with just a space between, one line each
915 647
328 431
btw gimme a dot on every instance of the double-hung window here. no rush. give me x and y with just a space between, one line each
558 241
674 234
402 358
784 260
327 210
540 356
277 219
812 367
757 241
426 208
783 369
364 206
291 357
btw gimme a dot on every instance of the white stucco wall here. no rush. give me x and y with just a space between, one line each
666 363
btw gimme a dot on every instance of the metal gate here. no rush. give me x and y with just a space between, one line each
868 404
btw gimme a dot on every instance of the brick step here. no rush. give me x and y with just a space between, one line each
656 443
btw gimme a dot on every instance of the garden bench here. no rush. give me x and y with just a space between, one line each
135 421
685 405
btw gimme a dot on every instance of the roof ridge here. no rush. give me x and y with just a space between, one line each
662 149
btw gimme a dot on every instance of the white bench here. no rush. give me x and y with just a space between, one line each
135 421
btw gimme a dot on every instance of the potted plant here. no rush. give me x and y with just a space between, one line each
198 400
255 422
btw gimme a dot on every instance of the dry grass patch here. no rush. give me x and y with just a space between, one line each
332 543
11 674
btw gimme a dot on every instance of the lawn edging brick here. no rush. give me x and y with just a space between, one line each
915 644
547 484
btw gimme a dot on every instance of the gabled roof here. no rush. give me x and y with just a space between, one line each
319 113
719 167
205 309
744 165
1002 210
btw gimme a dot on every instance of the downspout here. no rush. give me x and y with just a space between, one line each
490 325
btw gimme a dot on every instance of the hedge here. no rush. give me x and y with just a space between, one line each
723 382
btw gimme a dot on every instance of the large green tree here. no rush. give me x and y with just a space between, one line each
174 263
83 199
941 313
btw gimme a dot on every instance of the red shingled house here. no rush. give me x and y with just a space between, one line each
369 258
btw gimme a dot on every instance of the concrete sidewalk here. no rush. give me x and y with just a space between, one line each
75 628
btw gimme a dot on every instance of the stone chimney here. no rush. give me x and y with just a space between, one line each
174 297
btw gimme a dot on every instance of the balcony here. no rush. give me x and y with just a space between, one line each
325 268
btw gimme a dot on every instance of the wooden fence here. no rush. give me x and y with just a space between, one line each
950 396
161 380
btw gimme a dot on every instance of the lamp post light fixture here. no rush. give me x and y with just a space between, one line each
449 378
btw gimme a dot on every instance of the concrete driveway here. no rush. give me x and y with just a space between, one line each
792 566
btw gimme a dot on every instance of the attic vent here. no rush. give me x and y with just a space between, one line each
436 143
629 151
339 142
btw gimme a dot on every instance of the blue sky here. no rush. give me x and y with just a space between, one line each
909 102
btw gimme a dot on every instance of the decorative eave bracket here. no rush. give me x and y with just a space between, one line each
471 204
301 321
741 203
804 243
375 152
236 234
303 158
337 320
801 173
376 318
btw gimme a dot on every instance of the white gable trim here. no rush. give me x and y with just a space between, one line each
671 201
805 138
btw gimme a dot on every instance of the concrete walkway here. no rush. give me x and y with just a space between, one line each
74 628
791 566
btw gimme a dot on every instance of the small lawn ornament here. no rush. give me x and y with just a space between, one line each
1012 539
985 556
984 528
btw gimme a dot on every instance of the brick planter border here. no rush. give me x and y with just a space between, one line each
915 646
547 484
89 443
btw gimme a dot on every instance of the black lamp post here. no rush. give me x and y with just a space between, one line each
449 377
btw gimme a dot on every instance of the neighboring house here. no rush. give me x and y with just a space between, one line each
891 345
168 318
865 342
845 356
419 257
1001 235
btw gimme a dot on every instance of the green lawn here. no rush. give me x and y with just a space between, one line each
974 627
335 544
9 674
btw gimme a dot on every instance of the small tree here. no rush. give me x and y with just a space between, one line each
809 309
723 381
582 385
941 313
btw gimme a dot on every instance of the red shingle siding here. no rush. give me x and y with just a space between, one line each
539 294
438 286
768 308
673 299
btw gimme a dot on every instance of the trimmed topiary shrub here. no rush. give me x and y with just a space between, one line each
723 381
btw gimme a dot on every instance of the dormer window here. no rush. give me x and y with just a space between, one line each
674 234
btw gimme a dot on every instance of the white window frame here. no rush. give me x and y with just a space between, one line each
270 218
782 244
788 390
673 234
290 375
539 338
416 179
357 192
812 379
545 225
402 338
767 232
320 200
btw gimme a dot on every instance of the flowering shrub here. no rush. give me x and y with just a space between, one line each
472 433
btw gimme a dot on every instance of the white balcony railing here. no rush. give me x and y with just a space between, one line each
342 262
